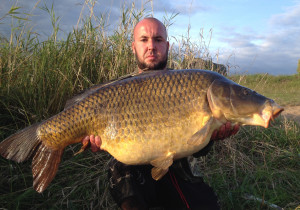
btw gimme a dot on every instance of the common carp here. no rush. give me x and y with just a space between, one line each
150 118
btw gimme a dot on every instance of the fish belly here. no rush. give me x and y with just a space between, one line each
157 140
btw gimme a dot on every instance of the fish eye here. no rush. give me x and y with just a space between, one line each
246 92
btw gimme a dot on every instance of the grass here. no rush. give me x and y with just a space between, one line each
283 89
36 79
257 163
79 183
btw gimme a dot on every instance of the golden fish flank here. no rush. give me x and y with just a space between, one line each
151 118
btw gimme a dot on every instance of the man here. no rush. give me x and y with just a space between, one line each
132 187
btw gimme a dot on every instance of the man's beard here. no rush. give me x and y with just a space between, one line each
158 66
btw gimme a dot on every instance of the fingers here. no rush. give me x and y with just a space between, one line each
225 131
236 128
94 147
222 132
98 141
214 135
86 140
95 142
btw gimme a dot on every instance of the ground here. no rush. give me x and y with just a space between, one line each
292 112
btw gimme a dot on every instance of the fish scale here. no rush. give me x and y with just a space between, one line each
151 118
166 108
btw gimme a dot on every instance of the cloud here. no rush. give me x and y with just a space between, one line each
69 12
189 8
275 51
289 18
39 19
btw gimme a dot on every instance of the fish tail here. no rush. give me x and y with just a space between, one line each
25 144
21 146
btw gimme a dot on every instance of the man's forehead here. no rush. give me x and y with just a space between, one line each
143 32
150 28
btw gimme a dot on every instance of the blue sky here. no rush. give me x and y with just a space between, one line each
251 36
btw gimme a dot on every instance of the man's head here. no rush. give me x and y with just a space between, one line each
150 44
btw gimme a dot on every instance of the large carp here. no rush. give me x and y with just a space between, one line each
151 118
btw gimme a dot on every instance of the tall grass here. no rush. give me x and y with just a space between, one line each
258 168
41 75
283 89
37 77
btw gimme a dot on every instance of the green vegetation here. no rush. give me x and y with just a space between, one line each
36 79
257 163
298 67
283 89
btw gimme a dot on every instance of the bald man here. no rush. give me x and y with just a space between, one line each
132 187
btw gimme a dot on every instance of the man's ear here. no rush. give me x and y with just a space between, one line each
132 47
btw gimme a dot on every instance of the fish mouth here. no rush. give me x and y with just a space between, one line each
270 112
277 112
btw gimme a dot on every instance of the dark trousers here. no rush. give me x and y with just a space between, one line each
141 191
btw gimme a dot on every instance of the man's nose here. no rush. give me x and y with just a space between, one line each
151 45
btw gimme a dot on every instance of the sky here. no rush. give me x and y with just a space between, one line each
250 36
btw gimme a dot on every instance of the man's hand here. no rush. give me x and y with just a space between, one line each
225 131
94 141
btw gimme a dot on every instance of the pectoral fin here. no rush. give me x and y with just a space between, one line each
199 137
158 173
161 165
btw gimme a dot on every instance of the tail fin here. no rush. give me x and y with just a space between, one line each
26 143
20 146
